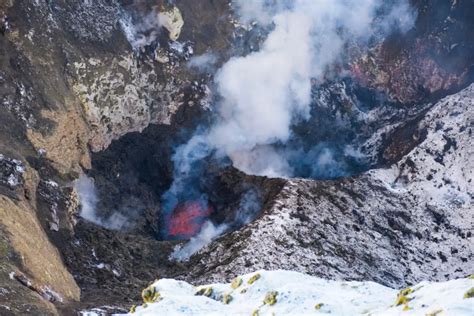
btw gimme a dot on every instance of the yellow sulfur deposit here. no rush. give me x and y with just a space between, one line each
270 298
236 283
205 291
402 296
406 307
254 278
469 293
150 295
227 298
435 313
172 20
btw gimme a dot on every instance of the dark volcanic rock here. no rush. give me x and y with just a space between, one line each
11 175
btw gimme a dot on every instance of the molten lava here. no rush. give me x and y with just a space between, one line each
187 219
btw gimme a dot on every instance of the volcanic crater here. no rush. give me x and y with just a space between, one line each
376 185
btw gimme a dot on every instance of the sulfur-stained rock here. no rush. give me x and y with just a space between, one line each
205 291
150 295
227 298
270 298
236 282
469 293
254 278
173 21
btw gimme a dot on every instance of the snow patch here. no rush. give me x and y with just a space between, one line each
300 294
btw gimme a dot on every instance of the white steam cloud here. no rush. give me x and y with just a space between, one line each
206 235
264 93
203 63
249 207
142 33
88 199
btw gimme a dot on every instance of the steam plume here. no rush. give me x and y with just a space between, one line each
143 30
203 63
248 208
266 92
207 234
89 199
263 94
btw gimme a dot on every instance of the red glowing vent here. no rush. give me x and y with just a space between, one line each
187 219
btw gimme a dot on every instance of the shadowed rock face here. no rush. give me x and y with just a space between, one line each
433 59
76 97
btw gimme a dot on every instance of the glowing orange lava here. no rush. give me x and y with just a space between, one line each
187 219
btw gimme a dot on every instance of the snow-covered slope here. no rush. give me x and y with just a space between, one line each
294 293
396 226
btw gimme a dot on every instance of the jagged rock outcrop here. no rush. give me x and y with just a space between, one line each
27 249
70 83
397 225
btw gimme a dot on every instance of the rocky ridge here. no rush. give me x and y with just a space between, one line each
398 225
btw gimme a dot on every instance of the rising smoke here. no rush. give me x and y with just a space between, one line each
249 205
88 197
265 93
208 233
203 63
141 29
262 96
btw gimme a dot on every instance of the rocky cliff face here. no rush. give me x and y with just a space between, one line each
85 87
70 82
